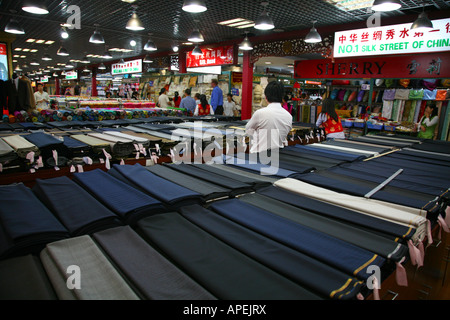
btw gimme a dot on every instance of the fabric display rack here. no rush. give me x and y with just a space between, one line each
231 230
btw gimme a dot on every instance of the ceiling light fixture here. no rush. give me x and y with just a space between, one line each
264 21
85 60
196 36
46 57
313 36
150 45
135 24
34 62
64 33
35 6
175 48
386 5
423 23
147 59
62 52
246 45
97 37
197 51
14 27
194 6
101 66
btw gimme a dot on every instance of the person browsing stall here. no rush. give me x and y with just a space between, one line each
427 124
269 127
203 108
188 102
330 120
216 97
42 98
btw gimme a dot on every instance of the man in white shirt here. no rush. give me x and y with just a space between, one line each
163 101
42 98
269 127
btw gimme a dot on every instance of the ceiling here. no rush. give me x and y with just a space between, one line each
169 24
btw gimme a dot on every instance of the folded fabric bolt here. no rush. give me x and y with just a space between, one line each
222 270
77 148
237 187
244 173
21 146
259 168
209 191
384 247
319 277
328 153
354 218
136 140
97 144
7 153
164 190
351 259
409 217
79 211
155 277
125 201
26 225
121 148
98 279
24 278
156 127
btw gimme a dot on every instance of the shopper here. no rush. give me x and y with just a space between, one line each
197 98
42 98
204 108
77 89
176 99
330 121
188 102
269 127
135 95
229 106
116 94
108 95
163 100
216 97
427 125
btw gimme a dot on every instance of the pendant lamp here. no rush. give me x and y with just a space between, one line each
194 6
135 24
35 6
423 23
62 52
264 22
14 27
101 66
386 5
246 45
197 51
147 59
150 46
46 57
97 37
313 36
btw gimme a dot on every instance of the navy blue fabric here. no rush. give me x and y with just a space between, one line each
79 211
425 155
166 191
392 230
356 146
259 168
332 251
284 162
26 225
400 156
380 177
357 189
344 156
318 276
127 202
384 142
43 140
436 169
225 272
156 127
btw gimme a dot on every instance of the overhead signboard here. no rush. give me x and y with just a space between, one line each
395 39
212 57
71 75
134 66
433 65
4 73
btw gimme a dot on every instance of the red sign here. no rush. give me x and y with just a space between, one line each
435 65
212 57
3 50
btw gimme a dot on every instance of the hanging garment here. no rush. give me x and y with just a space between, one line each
402 94
417 111
79 211
389 95
24 278
416 94
26 224
441 95
152 274
125 201
219 268
351 259
407 110
99 278
171 194
321 278
387 109
429 95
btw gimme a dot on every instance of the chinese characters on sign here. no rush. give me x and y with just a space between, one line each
211 57
134 66
396 39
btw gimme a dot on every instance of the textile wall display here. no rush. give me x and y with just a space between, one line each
222 270
125 201
153 276
100 280
80 212
26 224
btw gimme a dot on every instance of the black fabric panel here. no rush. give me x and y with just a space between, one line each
314 275
224 271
